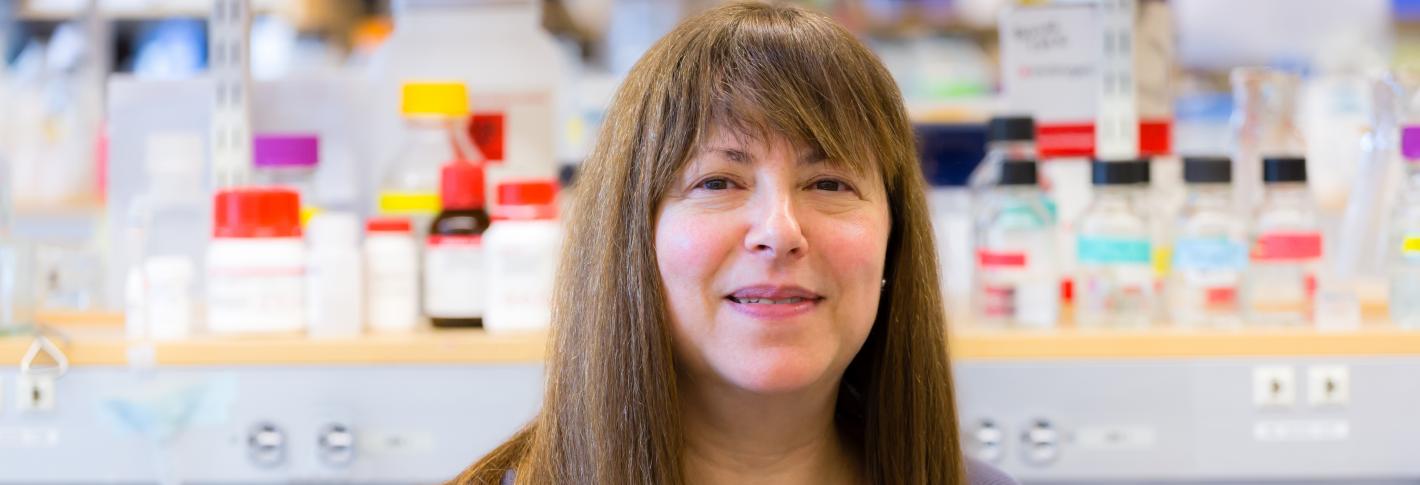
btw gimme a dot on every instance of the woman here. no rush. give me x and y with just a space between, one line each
748 291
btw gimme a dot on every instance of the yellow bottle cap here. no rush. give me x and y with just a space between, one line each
434 99
409 203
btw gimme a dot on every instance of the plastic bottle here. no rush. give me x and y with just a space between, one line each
949 154
1286 247
392 275
435 134
522 247
166 227
288 160
1114 286
454 260
334 276
1018 277
256 263
1210 251
1405 226
1007 138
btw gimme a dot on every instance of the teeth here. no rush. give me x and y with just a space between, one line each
767 301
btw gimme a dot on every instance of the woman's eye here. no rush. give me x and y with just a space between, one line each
714 184
831 185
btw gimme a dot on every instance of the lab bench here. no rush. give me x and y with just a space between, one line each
1066 406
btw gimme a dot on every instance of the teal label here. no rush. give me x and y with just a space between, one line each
1209 254
1112 250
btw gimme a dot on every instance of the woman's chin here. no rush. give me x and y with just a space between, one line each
775 371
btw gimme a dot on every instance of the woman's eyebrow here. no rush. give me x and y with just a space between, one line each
733 154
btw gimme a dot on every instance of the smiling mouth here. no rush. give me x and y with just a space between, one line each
768 301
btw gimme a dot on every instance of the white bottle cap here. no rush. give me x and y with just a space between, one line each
333 229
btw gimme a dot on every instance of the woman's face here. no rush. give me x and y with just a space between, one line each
772 261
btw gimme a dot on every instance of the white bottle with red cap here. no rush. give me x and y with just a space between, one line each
392 275
522 249
256 263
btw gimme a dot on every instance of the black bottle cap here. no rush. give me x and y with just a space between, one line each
1284 169
1018 172
1011 128
1207 170
1114 172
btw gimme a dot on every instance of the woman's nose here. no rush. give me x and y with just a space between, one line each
775 230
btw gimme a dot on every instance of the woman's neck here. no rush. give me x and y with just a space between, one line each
737 437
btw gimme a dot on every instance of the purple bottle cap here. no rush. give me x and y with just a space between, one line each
285 151
1410 142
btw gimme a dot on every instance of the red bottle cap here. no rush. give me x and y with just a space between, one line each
257 212
461 186
527 199
388 224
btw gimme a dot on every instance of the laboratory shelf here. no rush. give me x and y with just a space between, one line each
97 339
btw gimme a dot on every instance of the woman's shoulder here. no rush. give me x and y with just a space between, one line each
981 473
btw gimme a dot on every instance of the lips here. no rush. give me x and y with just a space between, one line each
773 302
773 295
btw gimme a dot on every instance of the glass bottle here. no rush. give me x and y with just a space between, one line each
1114 284
1018 277
1209 252
1286 247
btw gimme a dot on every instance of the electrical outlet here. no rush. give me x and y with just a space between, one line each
1274 386
1328 385
34 393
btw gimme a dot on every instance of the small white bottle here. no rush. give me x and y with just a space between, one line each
256 263
392 275
334 283
1114 287
522 247
169 309
1018 277
1405 228
1210 251
1280 286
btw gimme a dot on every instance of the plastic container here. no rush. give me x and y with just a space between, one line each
522 248
1210 251
1281 283
256 263
288 160
166 225
435 134
1114 286
1405 239
1018 277
334 276
392 275
454 262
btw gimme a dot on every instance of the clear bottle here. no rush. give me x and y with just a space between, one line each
1280 286
1018 277
288 160
1263 125
1405 227
435 134
168 225
1210 248
1114 284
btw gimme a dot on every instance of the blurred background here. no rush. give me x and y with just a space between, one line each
273 241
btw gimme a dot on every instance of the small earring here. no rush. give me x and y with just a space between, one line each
884 285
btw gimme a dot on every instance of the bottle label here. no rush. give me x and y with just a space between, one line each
1112 250
1410 246
1209 254
453 276
998 301
1287 246
487 130
1000 260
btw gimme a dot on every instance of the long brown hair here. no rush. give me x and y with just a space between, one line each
611 411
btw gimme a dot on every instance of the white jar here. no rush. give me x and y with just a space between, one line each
522 249
168 310
334 283
256 263
392 275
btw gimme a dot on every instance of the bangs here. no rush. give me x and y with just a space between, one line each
807 82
